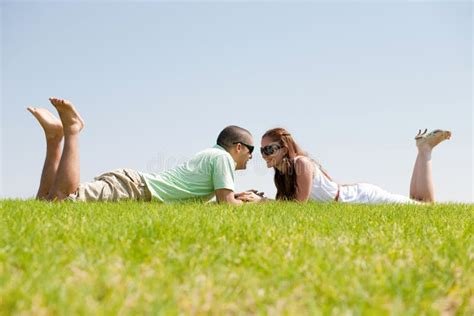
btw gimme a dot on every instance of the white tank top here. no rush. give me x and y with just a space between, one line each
322 189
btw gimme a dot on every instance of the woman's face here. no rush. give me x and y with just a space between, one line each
272 153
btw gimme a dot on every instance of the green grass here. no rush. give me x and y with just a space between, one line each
277 258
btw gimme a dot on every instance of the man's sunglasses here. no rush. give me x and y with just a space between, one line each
270 149
249 147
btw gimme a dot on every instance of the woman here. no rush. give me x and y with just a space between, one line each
297 177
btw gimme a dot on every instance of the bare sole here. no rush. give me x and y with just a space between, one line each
52 126
71 119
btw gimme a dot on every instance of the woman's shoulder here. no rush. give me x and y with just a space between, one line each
304 164
303 160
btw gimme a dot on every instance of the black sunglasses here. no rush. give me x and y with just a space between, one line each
249 147
270 149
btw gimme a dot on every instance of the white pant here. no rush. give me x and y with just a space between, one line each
370 194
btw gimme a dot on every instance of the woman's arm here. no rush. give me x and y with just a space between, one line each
304 169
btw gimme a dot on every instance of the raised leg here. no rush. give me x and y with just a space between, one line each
68 173
53 130
421 186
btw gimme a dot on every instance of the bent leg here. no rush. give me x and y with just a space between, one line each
68 173
53 130
422 187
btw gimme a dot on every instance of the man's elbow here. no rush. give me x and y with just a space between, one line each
230 201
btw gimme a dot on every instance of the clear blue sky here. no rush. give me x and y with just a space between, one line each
156 82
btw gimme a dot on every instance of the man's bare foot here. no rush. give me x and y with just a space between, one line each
52 126
72 121
429 141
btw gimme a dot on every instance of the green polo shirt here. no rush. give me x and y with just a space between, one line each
198 178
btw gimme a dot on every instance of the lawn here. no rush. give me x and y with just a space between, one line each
135 258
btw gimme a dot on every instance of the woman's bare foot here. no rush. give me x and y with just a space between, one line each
72 121
52 126
429 141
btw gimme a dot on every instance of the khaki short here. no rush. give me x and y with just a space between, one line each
120 184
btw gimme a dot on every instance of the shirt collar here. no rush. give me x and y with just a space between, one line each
222 148
219 147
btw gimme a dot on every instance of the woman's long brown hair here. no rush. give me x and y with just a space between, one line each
285 181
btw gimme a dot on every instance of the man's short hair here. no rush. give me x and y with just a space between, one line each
233 134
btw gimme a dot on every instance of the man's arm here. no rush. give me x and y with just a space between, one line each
227 196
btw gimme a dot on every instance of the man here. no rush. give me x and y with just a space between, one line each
210 173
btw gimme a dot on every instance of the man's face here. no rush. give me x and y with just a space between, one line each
243 153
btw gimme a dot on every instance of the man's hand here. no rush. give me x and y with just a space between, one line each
236 195
252 196
228 196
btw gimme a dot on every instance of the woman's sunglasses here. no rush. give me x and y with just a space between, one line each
270 149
